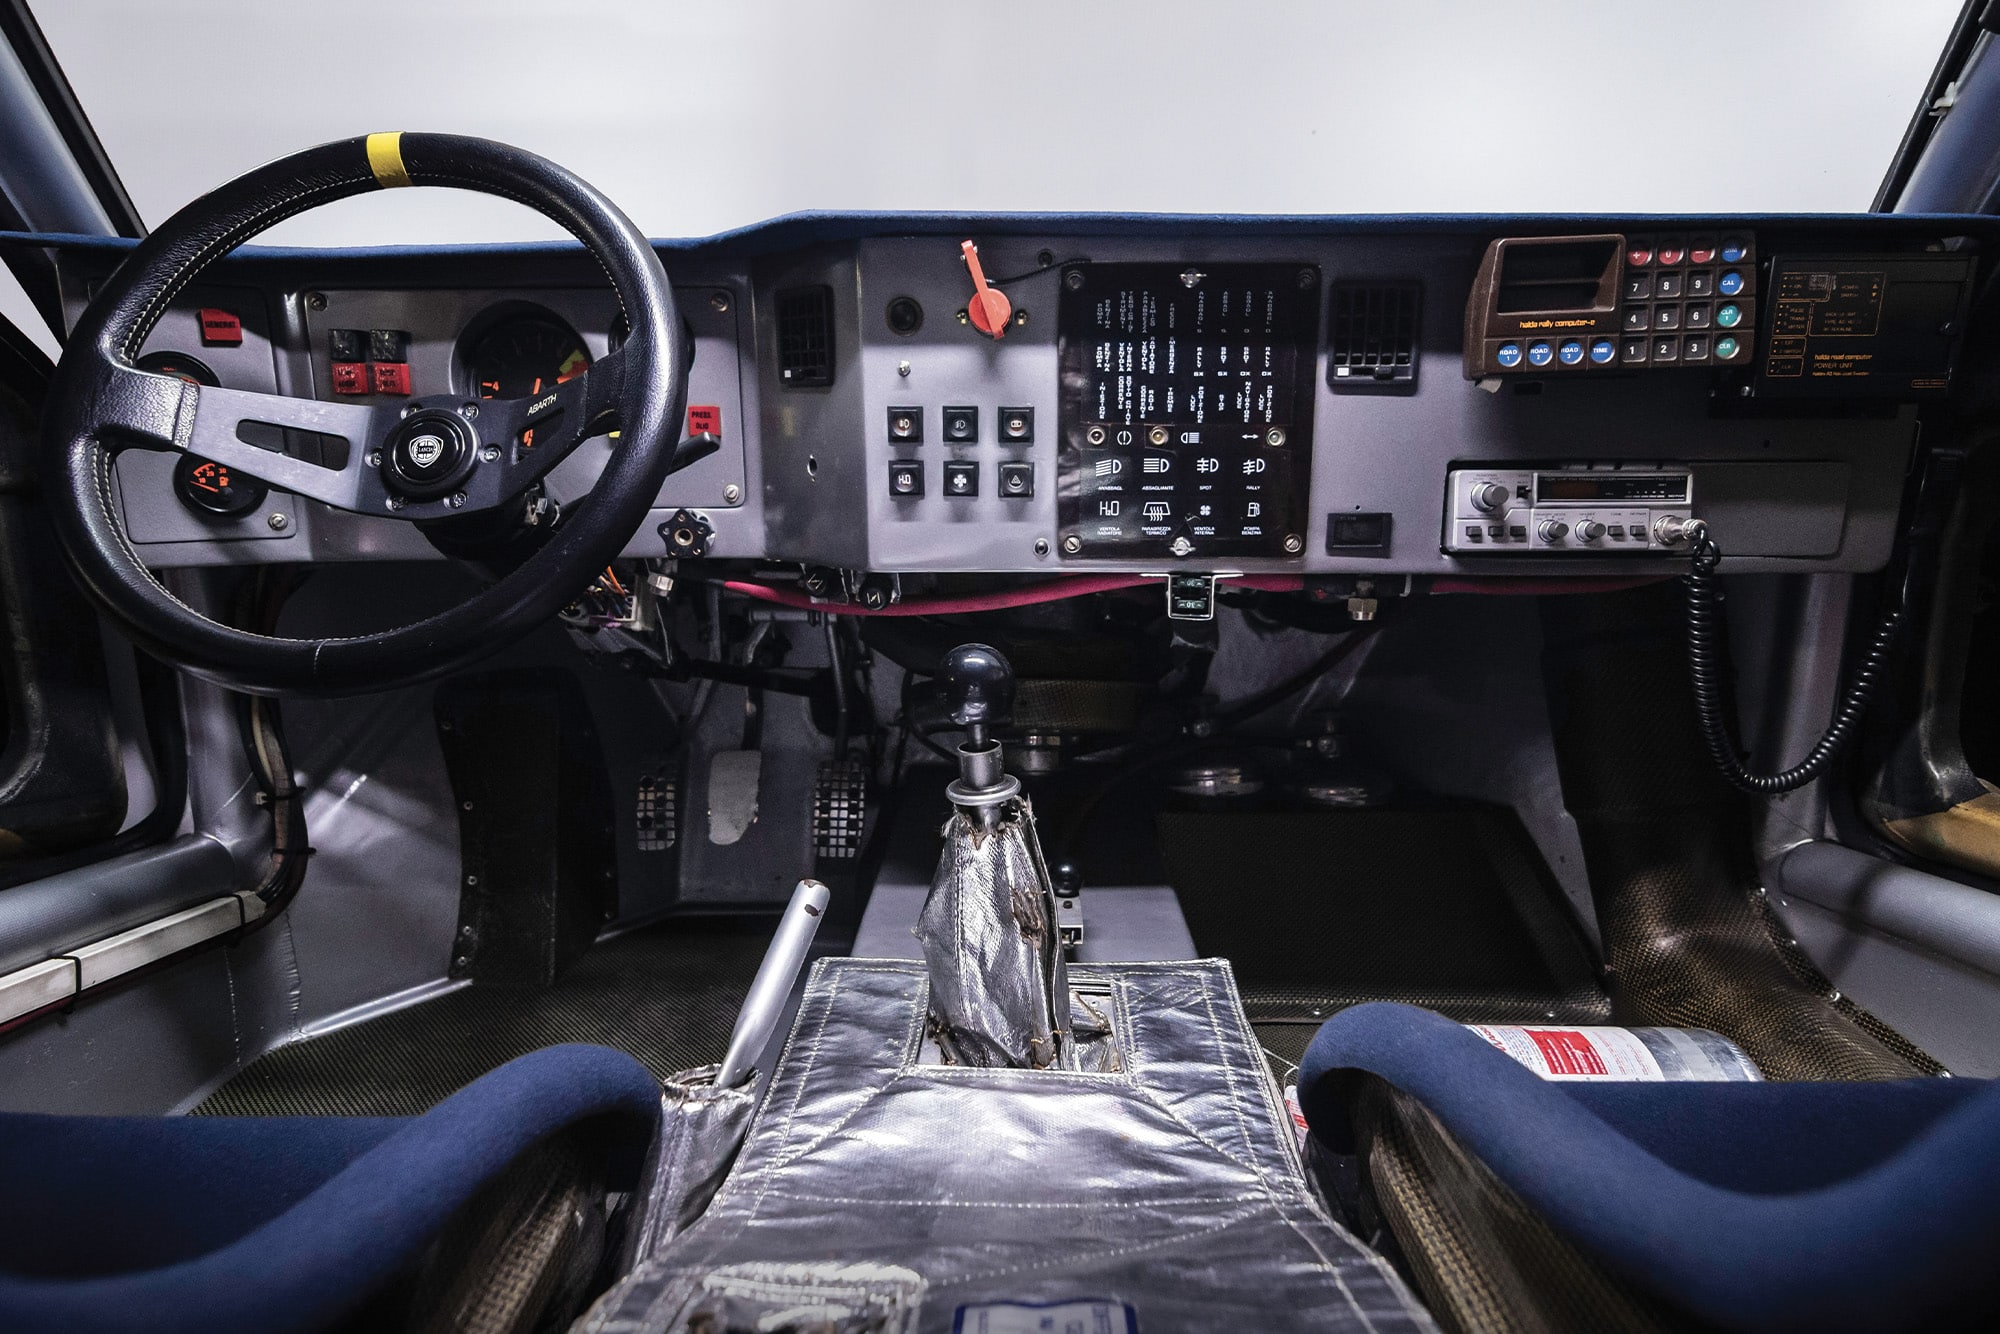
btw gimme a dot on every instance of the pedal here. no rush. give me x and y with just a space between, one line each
840 809
735 778
655 810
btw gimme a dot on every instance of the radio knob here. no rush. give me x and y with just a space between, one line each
1552 530
1589 530
1488 497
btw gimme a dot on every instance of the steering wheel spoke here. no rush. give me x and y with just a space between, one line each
312 449
535 434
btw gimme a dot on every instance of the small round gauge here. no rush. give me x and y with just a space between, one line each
524 355
180 365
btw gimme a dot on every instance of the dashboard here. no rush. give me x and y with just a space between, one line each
1426 397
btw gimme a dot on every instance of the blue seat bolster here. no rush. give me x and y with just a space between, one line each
321 1256
1910 1229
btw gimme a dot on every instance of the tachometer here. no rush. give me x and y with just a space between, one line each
524 355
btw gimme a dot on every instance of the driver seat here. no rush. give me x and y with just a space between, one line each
1521 1203
462 1217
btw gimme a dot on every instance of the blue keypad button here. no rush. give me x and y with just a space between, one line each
1733 250
1727 348
1603 350
1571 353
1508 355
1540 354
1730 283
1728 316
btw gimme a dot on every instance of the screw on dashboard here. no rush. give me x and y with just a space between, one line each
315 301
278 523
1073 280
1072 544
1294 544
719 303
731 494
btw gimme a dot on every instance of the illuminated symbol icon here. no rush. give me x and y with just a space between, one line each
1156 510
1124 437
1204 511
528 438
1107 509
958 481
1109 467
1156 464
1181 546
1251 467
1253 510
210 477
426 450
1208 465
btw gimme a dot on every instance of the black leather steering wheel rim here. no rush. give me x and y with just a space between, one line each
99 404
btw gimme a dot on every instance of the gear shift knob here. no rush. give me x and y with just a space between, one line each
977 684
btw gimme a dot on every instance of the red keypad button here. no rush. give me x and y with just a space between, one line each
350 377
389 377
705 419
1672 254
1639 256
219 328
1701 254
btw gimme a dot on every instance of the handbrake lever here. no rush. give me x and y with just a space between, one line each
764 1006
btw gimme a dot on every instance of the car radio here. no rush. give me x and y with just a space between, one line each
1569 507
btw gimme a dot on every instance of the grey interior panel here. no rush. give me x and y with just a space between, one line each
1920 951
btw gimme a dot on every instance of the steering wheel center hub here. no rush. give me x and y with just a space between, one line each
430 454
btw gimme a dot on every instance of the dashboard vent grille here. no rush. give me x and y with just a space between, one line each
1372 338
805 337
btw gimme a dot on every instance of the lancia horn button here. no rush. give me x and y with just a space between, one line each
430 455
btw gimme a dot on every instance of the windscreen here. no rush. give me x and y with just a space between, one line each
698 117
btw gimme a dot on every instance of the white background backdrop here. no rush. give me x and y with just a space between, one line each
702 116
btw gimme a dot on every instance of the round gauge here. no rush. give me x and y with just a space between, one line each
180 365
524 355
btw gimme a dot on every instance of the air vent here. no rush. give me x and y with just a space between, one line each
1372 338
805 337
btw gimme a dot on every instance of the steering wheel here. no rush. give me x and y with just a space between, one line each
428 458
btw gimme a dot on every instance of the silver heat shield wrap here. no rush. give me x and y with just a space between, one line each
993 949
880 1192
701 1128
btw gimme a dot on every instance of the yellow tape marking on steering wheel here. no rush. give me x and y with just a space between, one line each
385 159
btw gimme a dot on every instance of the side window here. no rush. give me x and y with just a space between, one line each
1936 790
62 783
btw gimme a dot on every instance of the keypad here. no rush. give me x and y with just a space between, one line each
1677 289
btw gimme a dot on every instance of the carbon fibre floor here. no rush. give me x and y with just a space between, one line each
1449 908
668 995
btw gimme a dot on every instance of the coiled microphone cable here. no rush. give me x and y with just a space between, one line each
1708 661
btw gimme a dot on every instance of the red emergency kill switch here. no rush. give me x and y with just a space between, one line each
219 328
350 377
705 419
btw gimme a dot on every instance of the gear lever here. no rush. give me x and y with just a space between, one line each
978 688
999 993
